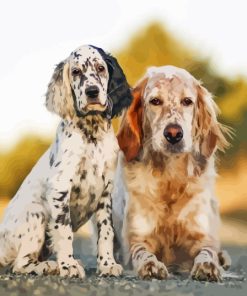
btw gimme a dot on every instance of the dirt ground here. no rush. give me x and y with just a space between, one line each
234 283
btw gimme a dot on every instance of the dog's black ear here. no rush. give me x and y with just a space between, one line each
118 87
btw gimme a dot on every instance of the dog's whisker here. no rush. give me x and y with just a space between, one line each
152 137
121 84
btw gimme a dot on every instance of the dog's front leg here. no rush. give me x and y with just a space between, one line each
61 231
107 265
206 266
145 261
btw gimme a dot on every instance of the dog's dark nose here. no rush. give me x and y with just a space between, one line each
92 91
173 133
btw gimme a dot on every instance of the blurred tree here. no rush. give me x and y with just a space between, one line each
18 162
233 106
155 46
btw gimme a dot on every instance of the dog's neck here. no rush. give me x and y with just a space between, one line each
92 127
188 164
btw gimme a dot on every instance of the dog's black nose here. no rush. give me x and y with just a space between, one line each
92 91
173 133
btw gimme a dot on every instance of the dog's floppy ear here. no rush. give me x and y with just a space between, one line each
130 134
58 96
208 132
118 88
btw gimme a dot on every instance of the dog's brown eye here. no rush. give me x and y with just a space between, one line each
100 68
186 102
76 71
155 101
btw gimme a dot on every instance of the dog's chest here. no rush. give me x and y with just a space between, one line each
90 180
159 200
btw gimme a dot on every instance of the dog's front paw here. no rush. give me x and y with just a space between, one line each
206 271
71 268
152 269
110 269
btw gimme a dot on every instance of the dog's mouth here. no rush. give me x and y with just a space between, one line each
174 149
93 107
96 106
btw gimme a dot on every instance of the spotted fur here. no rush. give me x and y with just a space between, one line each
73 179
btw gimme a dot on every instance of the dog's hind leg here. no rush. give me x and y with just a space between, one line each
6 252
28 264
31 244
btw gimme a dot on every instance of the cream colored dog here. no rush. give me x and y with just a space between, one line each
169 137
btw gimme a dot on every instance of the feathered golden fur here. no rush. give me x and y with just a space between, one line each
171 217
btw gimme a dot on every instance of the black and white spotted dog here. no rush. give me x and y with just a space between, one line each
74 178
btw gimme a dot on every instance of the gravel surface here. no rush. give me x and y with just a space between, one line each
234 283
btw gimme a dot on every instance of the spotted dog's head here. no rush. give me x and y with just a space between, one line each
171 113
89 81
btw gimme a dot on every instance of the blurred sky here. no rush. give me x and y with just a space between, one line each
36 35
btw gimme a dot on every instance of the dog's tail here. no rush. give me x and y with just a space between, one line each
224 259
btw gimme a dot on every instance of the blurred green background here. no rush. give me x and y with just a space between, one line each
154 45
